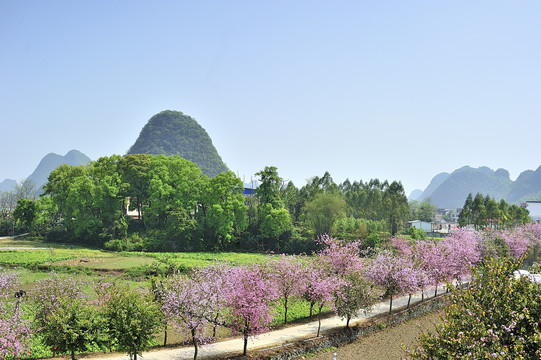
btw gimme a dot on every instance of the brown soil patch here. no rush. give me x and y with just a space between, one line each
385 344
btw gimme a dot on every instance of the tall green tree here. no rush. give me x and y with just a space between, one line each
174 185
397 207
134 170
224 209
25 213
269 187
324 210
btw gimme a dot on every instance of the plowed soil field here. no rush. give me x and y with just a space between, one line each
385 344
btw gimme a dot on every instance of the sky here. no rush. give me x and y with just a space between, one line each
396 90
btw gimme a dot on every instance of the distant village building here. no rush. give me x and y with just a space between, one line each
534 207
423 225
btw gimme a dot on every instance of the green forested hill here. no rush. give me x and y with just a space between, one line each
173 133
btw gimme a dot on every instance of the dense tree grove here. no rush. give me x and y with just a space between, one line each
484 212
158 203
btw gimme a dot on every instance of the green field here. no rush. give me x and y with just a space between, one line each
38 255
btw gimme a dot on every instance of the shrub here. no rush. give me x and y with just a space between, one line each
496 317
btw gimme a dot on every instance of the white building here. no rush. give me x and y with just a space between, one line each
426 226
534 207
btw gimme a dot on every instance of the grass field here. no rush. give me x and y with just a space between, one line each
36 254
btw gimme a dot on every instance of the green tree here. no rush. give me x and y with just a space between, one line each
25 213
275 225
424 210
465 215
72 327
396 205
134 170
290 196
224 209
270 184
479 214
132 319
174 186
324 210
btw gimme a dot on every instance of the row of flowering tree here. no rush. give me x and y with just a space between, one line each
71 315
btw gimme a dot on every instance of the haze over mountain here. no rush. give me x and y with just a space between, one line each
7 185
450 190
47 164
51 161
173 133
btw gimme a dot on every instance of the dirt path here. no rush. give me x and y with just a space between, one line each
385 344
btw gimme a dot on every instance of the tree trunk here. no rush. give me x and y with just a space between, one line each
319 320
215 325
409 299
391 305
165 335
245 344
436 291
311 308
347 321
194 340
285 310
72 355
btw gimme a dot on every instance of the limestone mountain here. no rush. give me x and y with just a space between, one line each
7 185
174 133
415 195
527 186
434 183
450 190
51 161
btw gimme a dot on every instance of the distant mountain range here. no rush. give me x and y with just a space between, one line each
450 190
173 133
50 162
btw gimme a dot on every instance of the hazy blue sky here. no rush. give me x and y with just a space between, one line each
389 89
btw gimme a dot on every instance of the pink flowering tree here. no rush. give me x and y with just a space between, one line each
214 283
462 247
188 309
195 304
249 301
288 274
396 274
14 331
338 256
517 241
321 288
355 293
403 246
433 260
342 259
